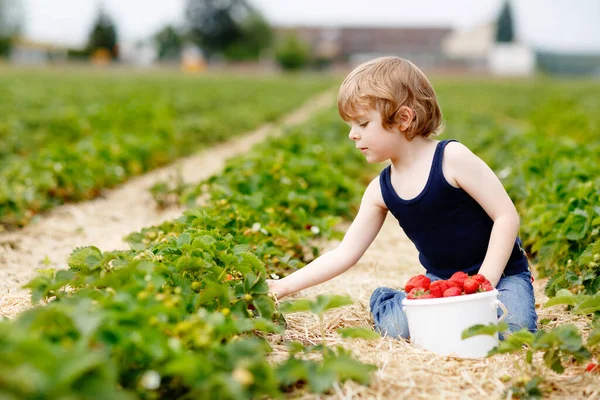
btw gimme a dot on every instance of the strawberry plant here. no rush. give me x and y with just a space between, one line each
186 311
89 132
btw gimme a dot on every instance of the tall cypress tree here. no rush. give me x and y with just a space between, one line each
103 35
504 27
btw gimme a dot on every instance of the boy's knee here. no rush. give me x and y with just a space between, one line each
386 308
380 295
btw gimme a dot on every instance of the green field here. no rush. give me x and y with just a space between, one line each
188 304
66 136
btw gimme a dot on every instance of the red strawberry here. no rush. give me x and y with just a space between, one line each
418 281
480 278
486 286
454 283
415 293
592 367
438 288
471 285
459 277
427 296
453 291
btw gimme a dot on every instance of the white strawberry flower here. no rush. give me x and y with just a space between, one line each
274 276
150 380
315 229
255 227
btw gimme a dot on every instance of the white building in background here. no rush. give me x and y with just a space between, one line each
478 48
29 52
515 59
141 53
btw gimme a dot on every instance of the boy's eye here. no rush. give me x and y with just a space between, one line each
364 124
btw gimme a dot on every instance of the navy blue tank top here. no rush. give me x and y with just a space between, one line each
449 228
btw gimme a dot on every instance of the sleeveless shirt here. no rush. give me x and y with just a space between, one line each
449 228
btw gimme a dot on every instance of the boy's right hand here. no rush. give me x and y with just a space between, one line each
276 288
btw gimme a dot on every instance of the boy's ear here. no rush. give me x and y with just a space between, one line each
405 117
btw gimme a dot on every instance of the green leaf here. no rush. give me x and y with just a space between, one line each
85 258
320 379
563 296
295 347
594 337
328 302
347 367
265 305
480 329
289 307
359 333
292 371
588 305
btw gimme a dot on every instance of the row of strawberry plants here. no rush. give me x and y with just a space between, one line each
65 138
185 313
542 138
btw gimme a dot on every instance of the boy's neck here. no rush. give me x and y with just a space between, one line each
410 153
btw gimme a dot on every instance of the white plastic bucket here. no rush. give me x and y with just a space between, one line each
437 324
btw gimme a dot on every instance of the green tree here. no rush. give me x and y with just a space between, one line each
10 23
169 43
231 27
257 35
504 27
292 53
103 35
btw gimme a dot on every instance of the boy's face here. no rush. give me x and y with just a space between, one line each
371 138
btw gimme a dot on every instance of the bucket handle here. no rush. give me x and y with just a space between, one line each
504 310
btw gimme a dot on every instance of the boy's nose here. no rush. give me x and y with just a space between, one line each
353 135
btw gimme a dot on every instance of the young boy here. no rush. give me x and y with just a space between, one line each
449 202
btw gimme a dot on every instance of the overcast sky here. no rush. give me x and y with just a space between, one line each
562 25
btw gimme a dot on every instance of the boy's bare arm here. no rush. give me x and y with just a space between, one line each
357 239
479 181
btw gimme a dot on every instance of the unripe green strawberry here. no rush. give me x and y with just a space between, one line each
470 285
418 281
453 291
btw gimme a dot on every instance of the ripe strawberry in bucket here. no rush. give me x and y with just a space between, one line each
418 281
460 283
438 288
471 285
453 291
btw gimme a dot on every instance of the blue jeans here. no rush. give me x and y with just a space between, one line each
516 292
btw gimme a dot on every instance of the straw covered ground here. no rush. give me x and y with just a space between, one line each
405 371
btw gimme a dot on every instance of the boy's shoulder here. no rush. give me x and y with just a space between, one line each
457 153
373 194
456 149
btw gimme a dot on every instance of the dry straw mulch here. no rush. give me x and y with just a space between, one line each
406 371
